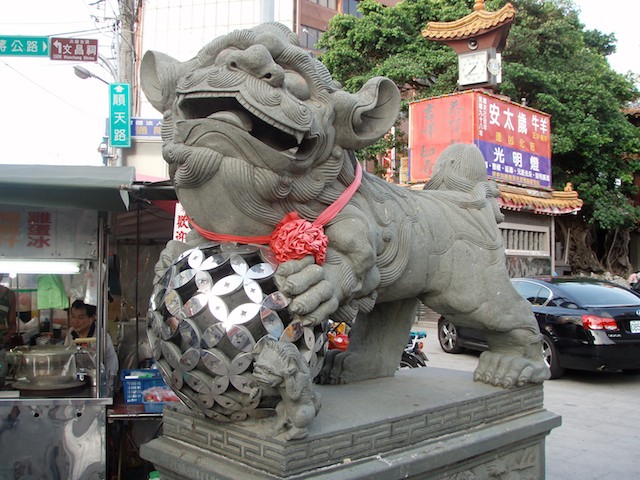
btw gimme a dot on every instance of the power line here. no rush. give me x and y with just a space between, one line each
98 30
50 92
12 24
74 32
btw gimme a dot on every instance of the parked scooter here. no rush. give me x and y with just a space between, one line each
413 355
338 335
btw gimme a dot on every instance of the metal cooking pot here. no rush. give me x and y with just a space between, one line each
44 365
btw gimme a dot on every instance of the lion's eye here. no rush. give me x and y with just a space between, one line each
296 85
221 59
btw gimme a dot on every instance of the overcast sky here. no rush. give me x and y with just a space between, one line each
50 116
621 18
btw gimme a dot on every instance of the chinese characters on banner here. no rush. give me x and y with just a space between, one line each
47 233
146 128
10 229
433 126
515 140
180 224
30 229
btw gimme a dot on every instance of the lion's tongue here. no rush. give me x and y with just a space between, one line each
238 119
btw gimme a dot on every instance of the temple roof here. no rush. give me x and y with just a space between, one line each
540 202
477 22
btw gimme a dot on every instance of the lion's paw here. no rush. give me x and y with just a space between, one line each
313 297
507 370
332 368
350 367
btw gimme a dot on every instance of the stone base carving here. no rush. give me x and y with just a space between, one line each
424 423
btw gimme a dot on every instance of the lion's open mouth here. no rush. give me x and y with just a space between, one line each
296 145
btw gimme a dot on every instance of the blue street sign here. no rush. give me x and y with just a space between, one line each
119 115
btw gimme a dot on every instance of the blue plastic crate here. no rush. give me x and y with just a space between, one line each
134 382
155 407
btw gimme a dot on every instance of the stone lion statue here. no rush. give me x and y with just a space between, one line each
259 141
280 365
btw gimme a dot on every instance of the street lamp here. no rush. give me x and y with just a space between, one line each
83 73
106 63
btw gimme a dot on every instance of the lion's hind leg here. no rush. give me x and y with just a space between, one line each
515 343
507 368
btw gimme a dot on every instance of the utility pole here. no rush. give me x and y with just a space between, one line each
126 42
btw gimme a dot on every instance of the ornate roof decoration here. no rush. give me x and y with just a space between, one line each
540 202
476 23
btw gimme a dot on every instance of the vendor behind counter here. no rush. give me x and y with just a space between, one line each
82 318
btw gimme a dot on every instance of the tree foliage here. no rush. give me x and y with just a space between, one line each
560 68
550 61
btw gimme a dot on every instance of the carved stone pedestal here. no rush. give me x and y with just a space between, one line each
425 423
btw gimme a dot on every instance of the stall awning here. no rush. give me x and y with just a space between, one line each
65 186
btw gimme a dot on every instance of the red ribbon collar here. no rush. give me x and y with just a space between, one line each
294 237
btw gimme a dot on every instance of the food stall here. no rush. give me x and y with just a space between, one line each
54 223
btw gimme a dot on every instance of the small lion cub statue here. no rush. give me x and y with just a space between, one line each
280 365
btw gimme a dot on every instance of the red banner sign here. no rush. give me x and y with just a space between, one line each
515 140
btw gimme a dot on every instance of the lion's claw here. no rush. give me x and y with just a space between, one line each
506 371
313 297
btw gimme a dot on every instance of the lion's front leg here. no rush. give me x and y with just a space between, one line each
376 343
349 367
345 284
313 297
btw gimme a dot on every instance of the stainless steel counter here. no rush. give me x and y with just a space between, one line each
7 393
53 434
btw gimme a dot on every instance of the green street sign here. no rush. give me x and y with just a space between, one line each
119 115
21 46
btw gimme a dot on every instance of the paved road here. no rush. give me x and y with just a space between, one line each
599 438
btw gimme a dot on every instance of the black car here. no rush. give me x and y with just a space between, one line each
586 324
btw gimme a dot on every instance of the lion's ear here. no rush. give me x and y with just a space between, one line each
159 74
265 342
364 117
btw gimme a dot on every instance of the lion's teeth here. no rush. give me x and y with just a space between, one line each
292 151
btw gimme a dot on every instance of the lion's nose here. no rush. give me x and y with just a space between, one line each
257 61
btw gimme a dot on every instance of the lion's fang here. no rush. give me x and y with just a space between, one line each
292 151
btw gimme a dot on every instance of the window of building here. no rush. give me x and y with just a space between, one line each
350 7
528 240
309 36
326 3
